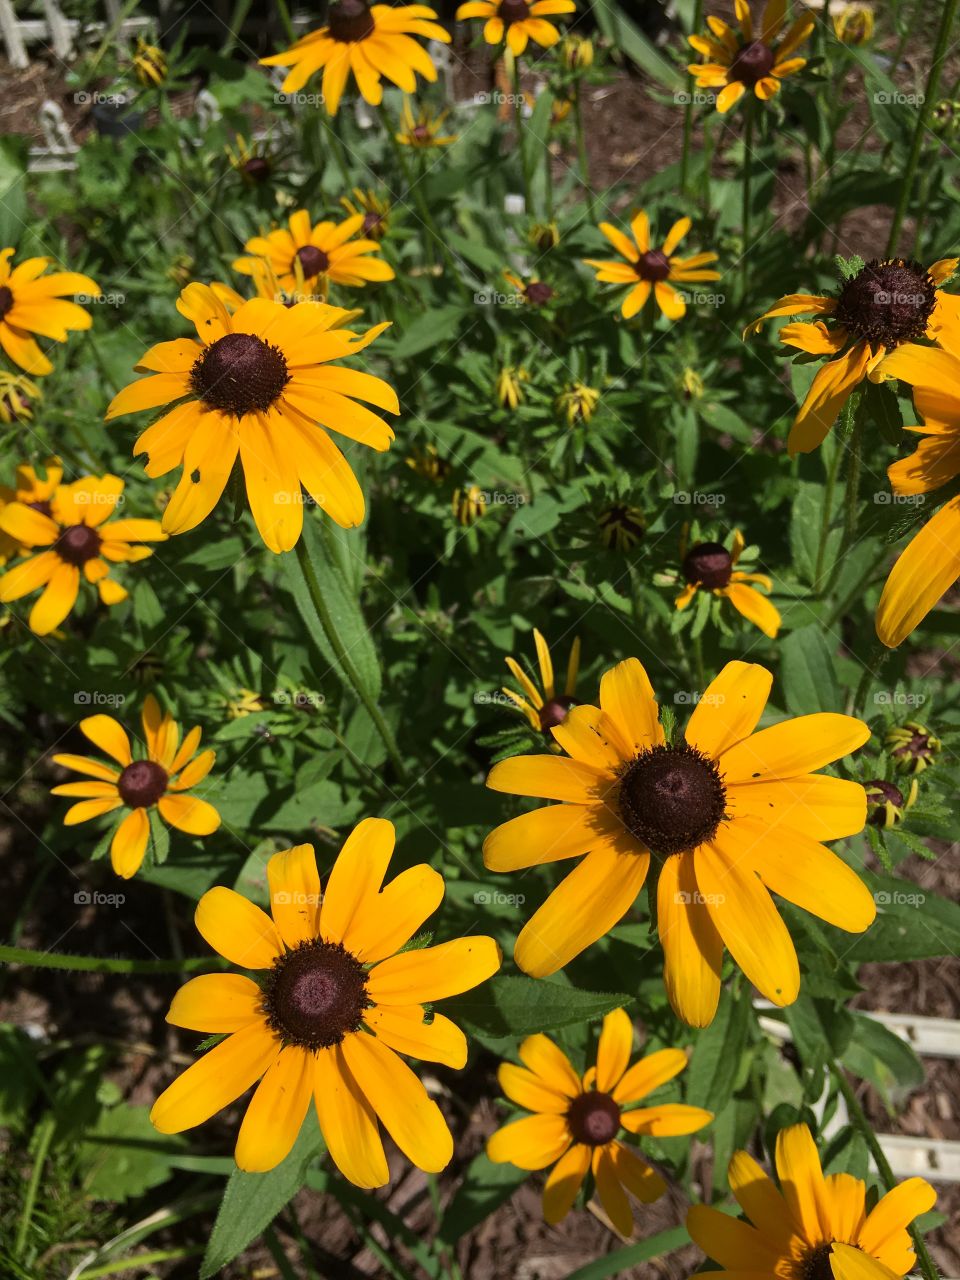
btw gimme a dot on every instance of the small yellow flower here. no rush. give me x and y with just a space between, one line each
308 256
32 302
250 159
338 1006
811 1226
649 270
854 24
692 384
16 392
32 492
68 537
160 779
621 526
149 64
578 402
375 209
245 702
509 388
912 746
577 1120
886 803
741 58
560 110
711 567
468 505
423 129
536 293
517 20
544 707
576 52
544 235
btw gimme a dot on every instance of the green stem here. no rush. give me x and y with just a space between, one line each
345 661
947 17
518 124
584 159
747 193
102 964
285 21
688 111
862 1125
827 514
871 671
140 1260
46 1128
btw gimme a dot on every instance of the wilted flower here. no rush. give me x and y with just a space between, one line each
468 505
423 129
509 391
578 402
854 23
576 52
621 527
692 384
250 159
149 64
428 464
16 392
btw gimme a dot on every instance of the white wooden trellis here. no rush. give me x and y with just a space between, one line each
56 32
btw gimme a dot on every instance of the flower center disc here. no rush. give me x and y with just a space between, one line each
887 302
142 784
77 544
754 61
239 373
257 168
316 994
554 712
539 292
594 1119
672 798
313 260
708 563
350 20
514 10
816 1265
653 265
6 300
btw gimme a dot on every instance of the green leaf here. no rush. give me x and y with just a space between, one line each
440 324
885 1059
616 1263
124 1156
629 39
342 606
821 1030
251 1201
913 924
807 672
806 515
514 1006
883 409
13 189
712 1075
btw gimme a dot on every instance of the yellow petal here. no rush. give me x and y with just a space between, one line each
548 778
754 606
276 1111
895 1211
104 732
238 929
611 1192
216 1079
295 894
734 1244
650 1073
927 568
406 1031
850 1263
823 807
216 1002
189 814
356 876
626 695
527 1090
669 1120
758 1197
550 834
433 973
828 393
387 922
730 708
530 1143
793 747
801 1181
564 1182
129 844
347 1122
614 1049
635 1174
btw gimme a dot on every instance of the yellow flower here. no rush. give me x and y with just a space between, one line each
468 505
16 392
423 129
537 293
509 388
866 328
544 235
335 1004
576 1121
578 402
726 815
316 255
647 269
544 707
886 803
913 747
576 52
256 385
930 563
372 42
854 24
32 492
149 63
375 209
621 526
250 159
158 780
692 384
710 566
742 59
811 1226
31 302
67 535
519 20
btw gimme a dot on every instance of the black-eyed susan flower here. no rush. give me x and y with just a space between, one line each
425 129
727 816
372 42
649 270
576 52
67 537
161 779
149 64
544 236
812 1227
468 505
250 159
886 802
578 402
517 21
710 566
308 258
912 747
256 385
854 23
509 385
544 706
930 563
740 58
621 526
577 1121
884 304
535 293
375 209
16 393
33 491
335 1004
32 302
